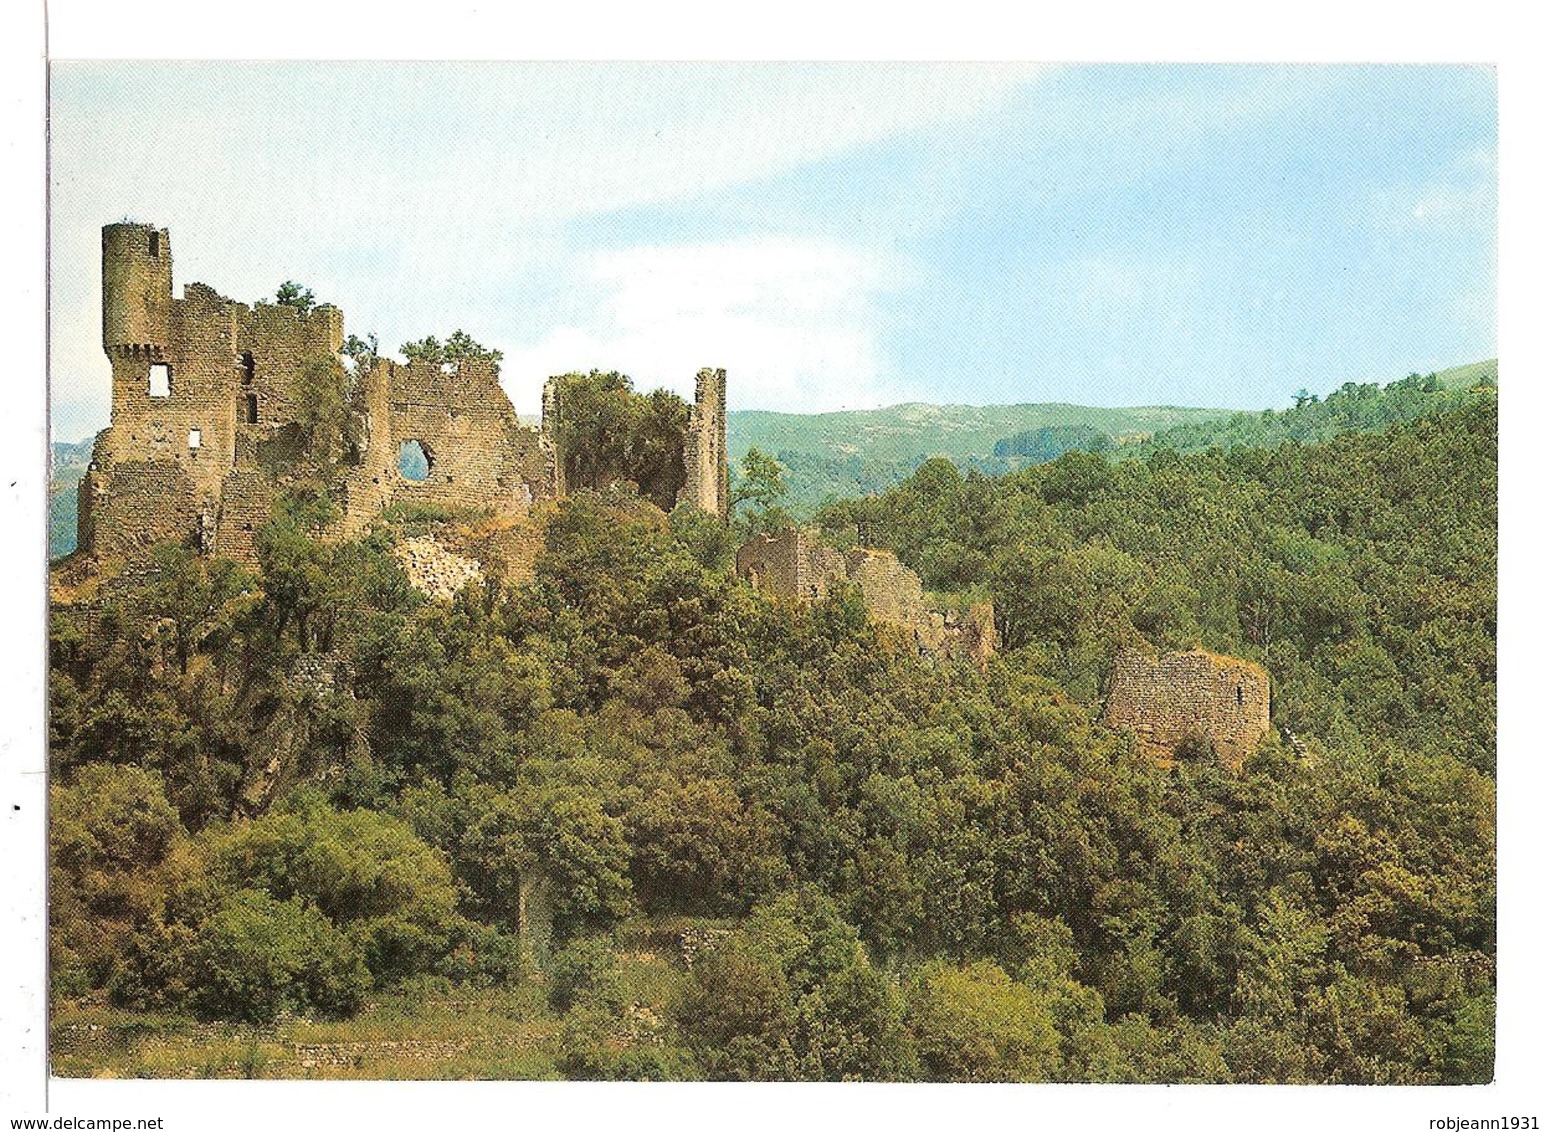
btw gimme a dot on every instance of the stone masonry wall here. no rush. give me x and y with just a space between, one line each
791 564
1165 699
795 565
480 454
150 502
246 498
705 446
892 591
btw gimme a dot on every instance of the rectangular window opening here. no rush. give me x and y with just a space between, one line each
160 380
195 438
251 407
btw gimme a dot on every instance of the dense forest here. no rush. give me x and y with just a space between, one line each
841 861
837 456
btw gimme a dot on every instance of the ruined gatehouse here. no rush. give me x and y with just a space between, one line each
210 416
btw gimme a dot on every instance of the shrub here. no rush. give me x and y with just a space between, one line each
975 1024
258 956
584 972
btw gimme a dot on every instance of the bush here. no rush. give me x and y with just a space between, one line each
257 957
367 872
584 972
975 1024
792 996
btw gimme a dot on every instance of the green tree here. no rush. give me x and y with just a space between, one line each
293 294
974 1023
792 995
459 346
761 482
257 956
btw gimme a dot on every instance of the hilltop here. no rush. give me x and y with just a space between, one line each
842 455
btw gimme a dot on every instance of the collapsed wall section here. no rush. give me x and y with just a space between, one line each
790 564
794 564
891 590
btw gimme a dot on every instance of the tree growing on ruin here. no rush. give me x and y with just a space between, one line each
761 481
459 346
293 294
328 414
606 433
362 352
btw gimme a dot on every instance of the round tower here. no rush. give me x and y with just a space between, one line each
136 288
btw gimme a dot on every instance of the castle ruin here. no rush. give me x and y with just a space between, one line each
213 401
793 564
1167 699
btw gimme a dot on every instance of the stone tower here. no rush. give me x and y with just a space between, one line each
173 368
1167 698
705 446
136 288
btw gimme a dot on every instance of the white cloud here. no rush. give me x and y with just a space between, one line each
1450 203
794 322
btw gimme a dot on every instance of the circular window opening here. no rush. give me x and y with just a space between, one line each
414 461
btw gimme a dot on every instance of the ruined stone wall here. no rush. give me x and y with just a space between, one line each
773 563
480 454
510 551
192 424
278 349
891 590
705 446
972 635
246 499
791 563
548 426
1168 698
794 564
224 365
147 502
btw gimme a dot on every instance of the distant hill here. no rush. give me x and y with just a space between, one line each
1351 408
904 432
69 465
1466 377
859 452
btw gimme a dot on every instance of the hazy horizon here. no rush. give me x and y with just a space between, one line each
837 236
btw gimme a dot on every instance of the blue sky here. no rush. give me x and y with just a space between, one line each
834 235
